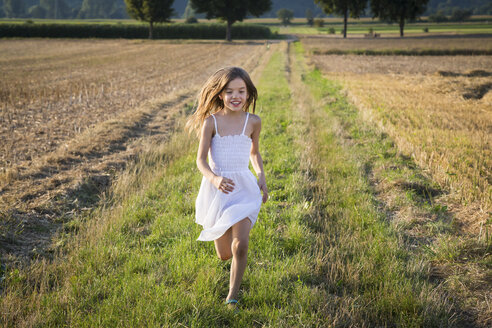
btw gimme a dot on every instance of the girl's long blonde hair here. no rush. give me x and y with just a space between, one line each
209 101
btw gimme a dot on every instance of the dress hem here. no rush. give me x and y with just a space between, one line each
204 238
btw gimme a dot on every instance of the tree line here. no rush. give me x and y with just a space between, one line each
68 9
63 9
151 11
391 11
448 7
229 11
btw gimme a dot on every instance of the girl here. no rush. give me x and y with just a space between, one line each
229 199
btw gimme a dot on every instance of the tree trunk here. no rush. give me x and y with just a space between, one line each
345 16
402 24
228 31
151 30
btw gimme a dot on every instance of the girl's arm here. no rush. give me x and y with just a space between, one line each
223 184
256 159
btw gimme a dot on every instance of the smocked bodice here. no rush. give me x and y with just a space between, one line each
230 153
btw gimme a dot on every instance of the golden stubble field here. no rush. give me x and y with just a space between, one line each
74 112
438 112
438 109
431 42
52 90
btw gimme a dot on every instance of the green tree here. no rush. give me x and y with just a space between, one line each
151 11
438 17
55 9
189 14
118 12
285 15
345 8
231 11
398 10
37 12
485 9
460 15
309 17
97 8
14 8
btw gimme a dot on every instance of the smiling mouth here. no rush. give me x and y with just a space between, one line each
236 103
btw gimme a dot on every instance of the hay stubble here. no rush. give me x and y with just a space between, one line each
75 112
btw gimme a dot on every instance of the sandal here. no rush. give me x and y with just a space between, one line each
232 304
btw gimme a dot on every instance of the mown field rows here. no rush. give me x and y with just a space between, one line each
437 112
359 29
434 42
322 253
437 109
430 66
52 90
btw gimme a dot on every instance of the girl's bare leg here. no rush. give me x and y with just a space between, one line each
239 248
223 245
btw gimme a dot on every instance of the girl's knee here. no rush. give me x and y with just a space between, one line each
224 256
239 247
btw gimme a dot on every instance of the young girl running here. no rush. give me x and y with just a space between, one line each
229 199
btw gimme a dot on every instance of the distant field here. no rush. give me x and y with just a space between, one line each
479 24
326 43
437 108
438 112
363 20
385 29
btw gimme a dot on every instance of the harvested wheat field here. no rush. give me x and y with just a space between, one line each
437 108
438 112
360 228
74 112
321 43
52 90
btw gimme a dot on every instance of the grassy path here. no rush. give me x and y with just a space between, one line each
321 253
369 270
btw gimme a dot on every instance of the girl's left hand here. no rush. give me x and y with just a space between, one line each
263 187
265 193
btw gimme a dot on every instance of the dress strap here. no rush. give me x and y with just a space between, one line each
245 123
215 122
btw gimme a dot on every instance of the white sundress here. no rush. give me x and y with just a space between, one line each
215 210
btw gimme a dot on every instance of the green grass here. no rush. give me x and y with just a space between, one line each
148 251
383 283
411 28
411 201
321 254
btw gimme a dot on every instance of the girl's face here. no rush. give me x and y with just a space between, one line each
235 95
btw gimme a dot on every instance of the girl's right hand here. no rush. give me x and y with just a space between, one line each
223 184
